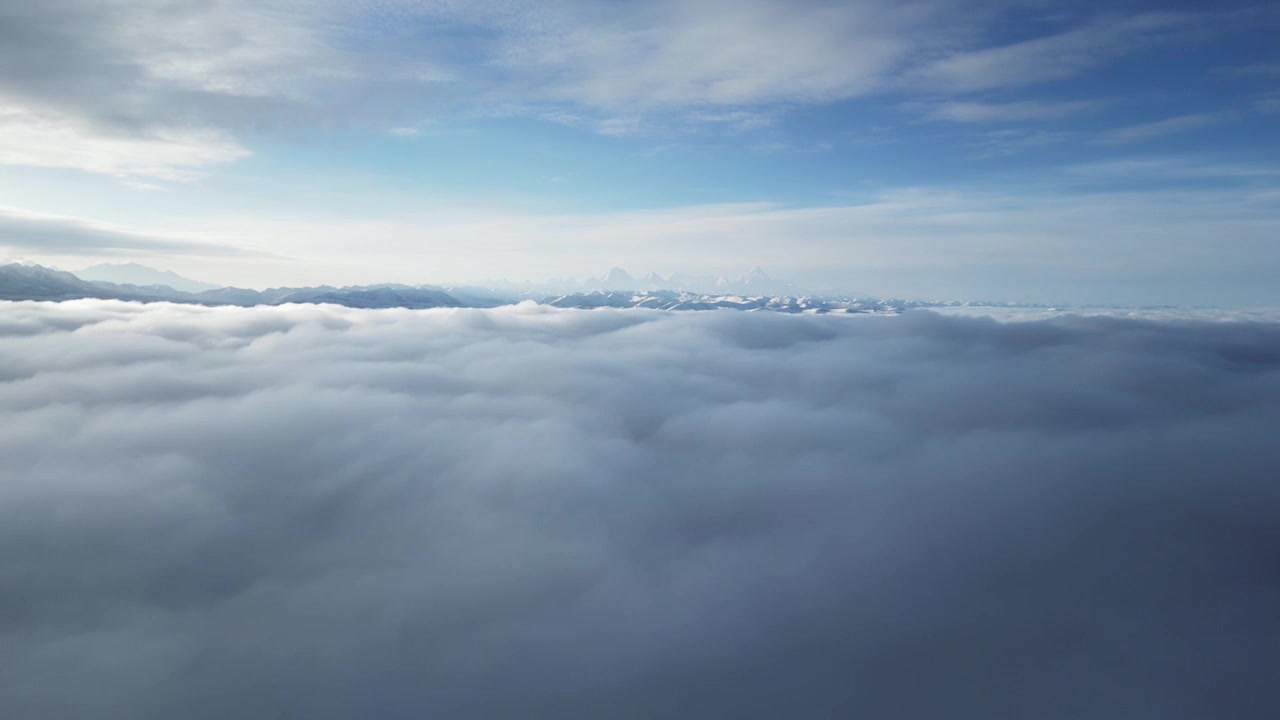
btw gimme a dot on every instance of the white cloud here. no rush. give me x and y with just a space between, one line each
229 47
159 89
236 64
59 236
174 154
327 513
145 90
713 53
1161 128
1017 111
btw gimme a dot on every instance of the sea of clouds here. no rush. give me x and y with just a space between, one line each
318 512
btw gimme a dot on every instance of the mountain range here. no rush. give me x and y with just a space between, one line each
755 291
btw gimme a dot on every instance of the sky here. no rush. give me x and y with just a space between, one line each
1023 150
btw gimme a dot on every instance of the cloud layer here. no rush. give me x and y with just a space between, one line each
329 513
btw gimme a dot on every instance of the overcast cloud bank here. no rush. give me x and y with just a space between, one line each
312 511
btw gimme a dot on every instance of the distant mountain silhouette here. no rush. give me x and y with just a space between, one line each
34 282
141 275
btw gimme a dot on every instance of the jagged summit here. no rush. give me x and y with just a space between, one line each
25 281
618 279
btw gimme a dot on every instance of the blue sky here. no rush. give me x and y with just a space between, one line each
1091 152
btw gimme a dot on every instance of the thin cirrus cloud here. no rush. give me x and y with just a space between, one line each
1051 57
965 111
1143 132
1012 141
1172 167
715 53
329 513
92 84
23 232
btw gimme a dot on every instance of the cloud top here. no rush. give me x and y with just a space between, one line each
309 511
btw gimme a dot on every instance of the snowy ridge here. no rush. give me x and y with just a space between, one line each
756 291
